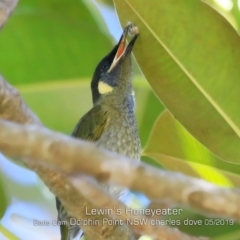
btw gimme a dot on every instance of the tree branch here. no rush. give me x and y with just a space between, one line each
52 149
91 191
12 107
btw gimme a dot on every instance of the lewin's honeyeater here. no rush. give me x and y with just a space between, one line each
111 122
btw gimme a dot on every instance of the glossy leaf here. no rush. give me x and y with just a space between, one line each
60 104
175 149
190 55
51 40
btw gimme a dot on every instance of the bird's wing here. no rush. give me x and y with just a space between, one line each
91 126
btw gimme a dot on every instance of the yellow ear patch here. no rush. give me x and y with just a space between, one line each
104 88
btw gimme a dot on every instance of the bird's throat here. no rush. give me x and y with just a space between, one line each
104 88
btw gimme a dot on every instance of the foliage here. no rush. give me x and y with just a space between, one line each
180 64
188 53
50 40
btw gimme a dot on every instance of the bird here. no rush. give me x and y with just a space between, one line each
111 122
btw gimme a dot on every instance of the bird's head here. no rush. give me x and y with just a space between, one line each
113 75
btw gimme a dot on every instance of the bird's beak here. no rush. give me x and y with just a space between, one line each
122 47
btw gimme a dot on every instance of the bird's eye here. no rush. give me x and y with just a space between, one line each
105 66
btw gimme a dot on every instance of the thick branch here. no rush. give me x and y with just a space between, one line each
54 148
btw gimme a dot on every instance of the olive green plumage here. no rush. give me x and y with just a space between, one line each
111 122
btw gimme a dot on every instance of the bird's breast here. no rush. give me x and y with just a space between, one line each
121 136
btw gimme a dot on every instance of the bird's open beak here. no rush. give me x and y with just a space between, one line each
123 47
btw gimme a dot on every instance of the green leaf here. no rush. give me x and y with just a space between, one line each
48 40
3 200
106 2
60 104
175 149
236 14
190 55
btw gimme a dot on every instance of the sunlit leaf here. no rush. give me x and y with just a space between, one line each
175 149
223 7
60 104
236 13
51 40
190 55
